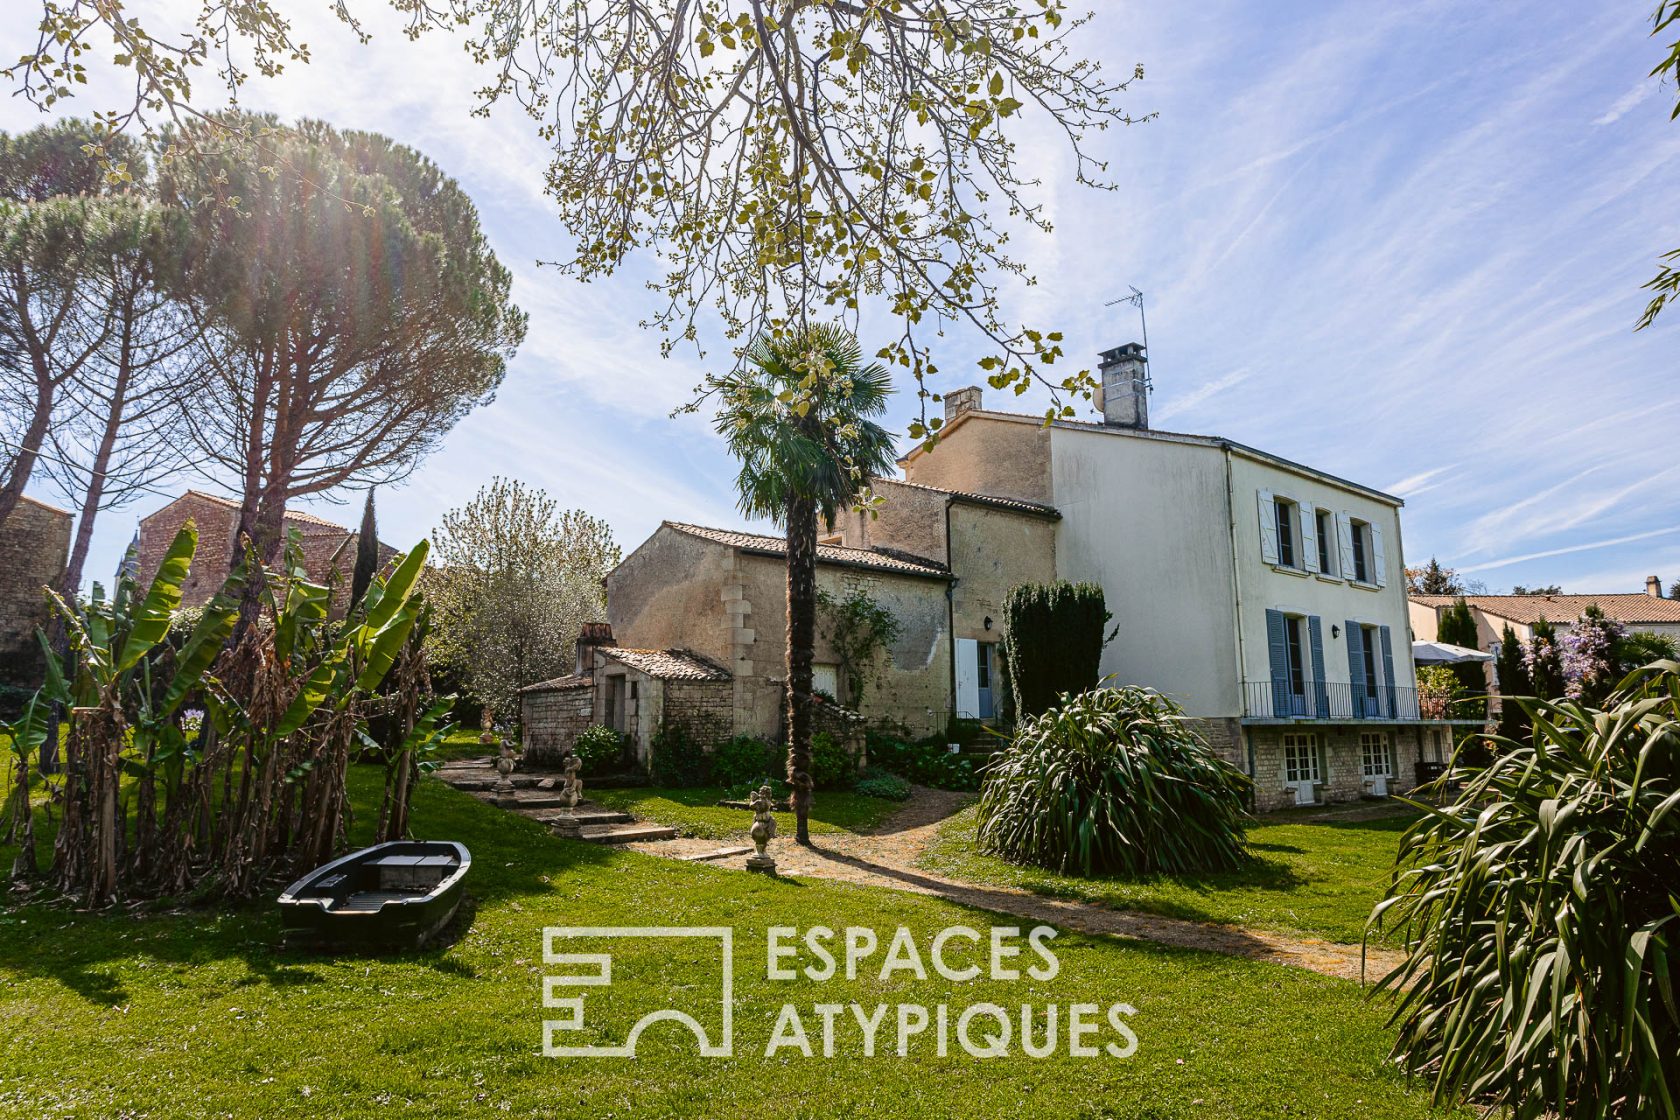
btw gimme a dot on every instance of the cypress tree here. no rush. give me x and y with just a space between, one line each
1544 659
1512 671
1053 643
367 552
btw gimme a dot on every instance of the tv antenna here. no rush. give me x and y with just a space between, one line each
1136 300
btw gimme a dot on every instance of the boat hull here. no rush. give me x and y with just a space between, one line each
396 895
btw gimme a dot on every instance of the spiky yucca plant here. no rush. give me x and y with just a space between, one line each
1541 909
1113 781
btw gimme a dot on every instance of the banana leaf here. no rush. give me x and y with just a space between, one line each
149 623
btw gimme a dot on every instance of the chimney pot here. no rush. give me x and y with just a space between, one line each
959 401
1124 393
1653 587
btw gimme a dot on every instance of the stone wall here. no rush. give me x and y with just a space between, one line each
1224 736
552 719
1007 456
34 547
706 709
1340 760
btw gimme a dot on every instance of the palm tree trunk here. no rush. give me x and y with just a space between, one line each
801 636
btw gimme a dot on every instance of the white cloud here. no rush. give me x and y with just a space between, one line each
1626 102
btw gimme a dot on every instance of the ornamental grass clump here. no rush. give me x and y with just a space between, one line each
1113 781
1540 909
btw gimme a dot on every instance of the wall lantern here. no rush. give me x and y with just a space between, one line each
1335 631
988 623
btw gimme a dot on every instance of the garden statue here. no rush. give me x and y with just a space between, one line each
571 792
502 795
487 723
763 828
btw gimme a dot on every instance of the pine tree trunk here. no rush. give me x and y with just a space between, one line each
801 636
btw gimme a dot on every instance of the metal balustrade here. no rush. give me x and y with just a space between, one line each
1270 699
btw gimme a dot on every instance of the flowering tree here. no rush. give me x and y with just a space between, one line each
1543 661
1590 656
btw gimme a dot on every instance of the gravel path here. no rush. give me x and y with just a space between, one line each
887 856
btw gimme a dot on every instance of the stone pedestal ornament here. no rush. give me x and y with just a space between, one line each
502 794
571 792
486 723
763 829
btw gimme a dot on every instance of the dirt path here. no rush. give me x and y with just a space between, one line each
887 856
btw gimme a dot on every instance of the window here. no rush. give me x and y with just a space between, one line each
1326 525
1297 663
1368 649
1300 758
1361 534
1376 754
1285 514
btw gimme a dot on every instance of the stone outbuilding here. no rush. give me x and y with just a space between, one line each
34 547
633 691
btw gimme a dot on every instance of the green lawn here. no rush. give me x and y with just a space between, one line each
1321 878
197 1014
696 812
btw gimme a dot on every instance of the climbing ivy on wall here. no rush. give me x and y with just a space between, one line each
861 632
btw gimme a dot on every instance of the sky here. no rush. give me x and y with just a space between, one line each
1401 243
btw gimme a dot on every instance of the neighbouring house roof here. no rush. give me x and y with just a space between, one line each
995 501
1220 442
559 684
1632 607
667 664
44 505
877 560
299 516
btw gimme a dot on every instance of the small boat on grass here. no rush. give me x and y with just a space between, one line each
394 895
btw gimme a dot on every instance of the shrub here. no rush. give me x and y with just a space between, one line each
832 765
1539 911
1053 642
883 784
599 748
927 762
676 760
1113 781
746 762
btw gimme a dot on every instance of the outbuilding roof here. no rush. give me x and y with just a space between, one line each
668 664
995 501
1632 607
559 684
872 559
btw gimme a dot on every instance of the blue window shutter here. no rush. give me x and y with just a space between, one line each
1388 670
1356 666
1278 644
1321 694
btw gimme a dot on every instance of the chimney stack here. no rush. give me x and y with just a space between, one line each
1653 587
1124 393
594 634
959 401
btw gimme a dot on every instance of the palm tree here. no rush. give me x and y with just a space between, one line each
798 415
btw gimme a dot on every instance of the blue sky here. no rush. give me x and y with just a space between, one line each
1402 243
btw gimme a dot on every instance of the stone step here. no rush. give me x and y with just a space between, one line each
581 814
625 833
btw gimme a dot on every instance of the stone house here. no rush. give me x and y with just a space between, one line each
1253 590
695 631
329 549
34 547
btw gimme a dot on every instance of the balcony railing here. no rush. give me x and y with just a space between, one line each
1276 700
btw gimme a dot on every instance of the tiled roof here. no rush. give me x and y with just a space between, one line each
1017 505
296 515
668 664
1632 607
871 559
559 684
